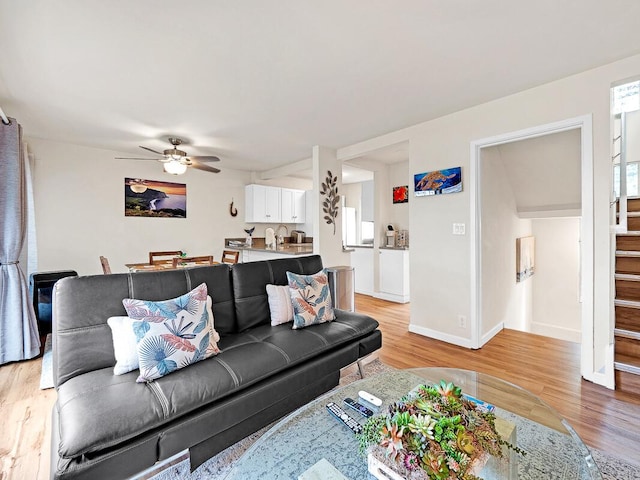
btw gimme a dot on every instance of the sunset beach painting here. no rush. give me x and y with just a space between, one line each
153 198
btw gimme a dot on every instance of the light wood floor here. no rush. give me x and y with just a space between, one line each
607 420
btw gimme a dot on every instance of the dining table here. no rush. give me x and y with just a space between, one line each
154 267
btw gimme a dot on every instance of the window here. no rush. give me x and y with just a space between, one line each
367 233
626 97
632 179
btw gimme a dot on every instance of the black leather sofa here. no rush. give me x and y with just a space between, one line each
107 426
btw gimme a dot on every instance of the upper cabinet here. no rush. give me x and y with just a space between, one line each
265 204
262 204
293 206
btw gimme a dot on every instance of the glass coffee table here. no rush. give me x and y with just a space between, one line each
311 433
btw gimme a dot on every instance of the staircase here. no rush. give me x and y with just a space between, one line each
627 303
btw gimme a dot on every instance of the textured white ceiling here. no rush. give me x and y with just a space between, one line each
259 82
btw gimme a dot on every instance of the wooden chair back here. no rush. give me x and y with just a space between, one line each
203 259
153 260
230 256
106 269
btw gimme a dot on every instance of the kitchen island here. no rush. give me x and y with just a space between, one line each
259 251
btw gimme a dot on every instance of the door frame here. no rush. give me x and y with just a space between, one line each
585 124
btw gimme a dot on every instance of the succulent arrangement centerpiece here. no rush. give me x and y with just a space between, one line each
436 433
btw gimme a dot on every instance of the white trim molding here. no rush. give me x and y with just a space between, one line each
437 335
585 124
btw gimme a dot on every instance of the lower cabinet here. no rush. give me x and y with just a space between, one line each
393 281
362 263
255 256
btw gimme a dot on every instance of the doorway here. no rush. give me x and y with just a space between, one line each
480 334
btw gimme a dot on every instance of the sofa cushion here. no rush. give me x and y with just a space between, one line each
249 280
172 334
246 358
310 298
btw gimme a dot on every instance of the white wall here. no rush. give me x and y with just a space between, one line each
327 239
79 201
441 290
556 305
440 262
505 302
399 212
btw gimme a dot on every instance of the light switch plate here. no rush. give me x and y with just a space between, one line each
458 228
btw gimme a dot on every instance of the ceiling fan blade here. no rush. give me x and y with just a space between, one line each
136 158
206 168
205 158
151 150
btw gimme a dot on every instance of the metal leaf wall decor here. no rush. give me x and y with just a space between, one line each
330 203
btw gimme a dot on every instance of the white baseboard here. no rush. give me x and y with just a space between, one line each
491 333
554 331
445 337
391 297
365 292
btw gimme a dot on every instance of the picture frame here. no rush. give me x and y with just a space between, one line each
154 198
525 258
401 194
438 182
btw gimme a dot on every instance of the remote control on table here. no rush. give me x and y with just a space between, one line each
372 399
358 407
341 415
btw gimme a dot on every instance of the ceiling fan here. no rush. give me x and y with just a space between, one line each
176 161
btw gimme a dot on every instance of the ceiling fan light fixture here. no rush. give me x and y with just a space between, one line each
174 167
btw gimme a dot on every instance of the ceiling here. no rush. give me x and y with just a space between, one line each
544 173
259 82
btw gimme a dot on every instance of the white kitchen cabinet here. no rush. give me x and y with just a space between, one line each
262 204
256 256
393 284
362 263
293 206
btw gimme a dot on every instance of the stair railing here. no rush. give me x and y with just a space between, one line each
621 225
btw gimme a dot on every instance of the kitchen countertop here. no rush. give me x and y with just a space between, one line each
286 248
353 247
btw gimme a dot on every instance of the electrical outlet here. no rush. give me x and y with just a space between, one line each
458 228
462 321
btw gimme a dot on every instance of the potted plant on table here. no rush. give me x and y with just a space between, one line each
432 433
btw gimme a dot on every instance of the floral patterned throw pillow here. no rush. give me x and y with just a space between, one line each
172 334
310 298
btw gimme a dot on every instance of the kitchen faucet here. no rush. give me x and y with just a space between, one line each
280 237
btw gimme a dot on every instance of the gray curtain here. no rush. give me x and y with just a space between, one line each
19 338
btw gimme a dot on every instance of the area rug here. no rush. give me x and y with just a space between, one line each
46 374
218 467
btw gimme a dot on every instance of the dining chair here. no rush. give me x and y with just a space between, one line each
170 253
230 256
203 259
106 269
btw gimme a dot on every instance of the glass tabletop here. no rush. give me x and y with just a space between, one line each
311 433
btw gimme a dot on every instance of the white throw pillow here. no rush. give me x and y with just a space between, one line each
124 344
124 341
279 304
